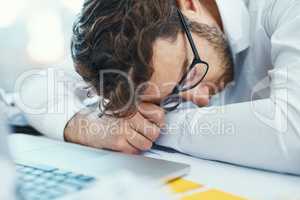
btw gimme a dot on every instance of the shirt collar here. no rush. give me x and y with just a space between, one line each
236 21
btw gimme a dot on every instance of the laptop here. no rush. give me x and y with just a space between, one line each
49 169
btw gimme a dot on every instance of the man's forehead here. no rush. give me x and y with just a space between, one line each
167 51
168 58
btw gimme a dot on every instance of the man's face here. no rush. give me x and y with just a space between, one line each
171 58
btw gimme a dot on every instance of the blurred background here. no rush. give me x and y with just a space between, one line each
34 34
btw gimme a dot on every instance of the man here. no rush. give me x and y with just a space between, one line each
100 46
150 42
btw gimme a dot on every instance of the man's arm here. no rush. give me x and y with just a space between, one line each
262 134
129 135
235 134
55 103
49 99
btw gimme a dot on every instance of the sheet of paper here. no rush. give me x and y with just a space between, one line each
237 180
182 185
211 195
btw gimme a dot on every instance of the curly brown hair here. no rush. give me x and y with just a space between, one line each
119 35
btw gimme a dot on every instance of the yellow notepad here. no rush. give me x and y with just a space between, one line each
181 186
212 195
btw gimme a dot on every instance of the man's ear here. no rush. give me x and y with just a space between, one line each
189 5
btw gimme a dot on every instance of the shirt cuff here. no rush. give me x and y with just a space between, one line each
52 124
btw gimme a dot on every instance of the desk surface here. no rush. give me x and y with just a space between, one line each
245 182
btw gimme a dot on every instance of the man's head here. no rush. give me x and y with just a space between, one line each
144 40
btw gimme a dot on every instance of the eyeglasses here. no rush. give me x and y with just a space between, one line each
195 74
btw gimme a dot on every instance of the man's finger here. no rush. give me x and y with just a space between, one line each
126 147
198 95
139 141
145 127
153 113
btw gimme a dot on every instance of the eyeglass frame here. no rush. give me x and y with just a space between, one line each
197 60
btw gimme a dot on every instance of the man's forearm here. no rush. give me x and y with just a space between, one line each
83 129
129 135
72 131
49 111
237 134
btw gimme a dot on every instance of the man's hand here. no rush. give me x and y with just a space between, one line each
125 135
199 95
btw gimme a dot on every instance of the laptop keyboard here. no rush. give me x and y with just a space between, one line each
48 183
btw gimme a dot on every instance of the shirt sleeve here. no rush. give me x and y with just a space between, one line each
50 98
261 134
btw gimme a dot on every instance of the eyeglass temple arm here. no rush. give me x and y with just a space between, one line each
189 35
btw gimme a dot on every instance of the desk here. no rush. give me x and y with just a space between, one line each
244 182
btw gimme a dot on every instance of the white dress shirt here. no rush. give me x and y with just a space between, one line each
254 122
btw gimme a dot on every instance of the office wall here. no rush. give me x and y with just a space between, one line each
34 34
